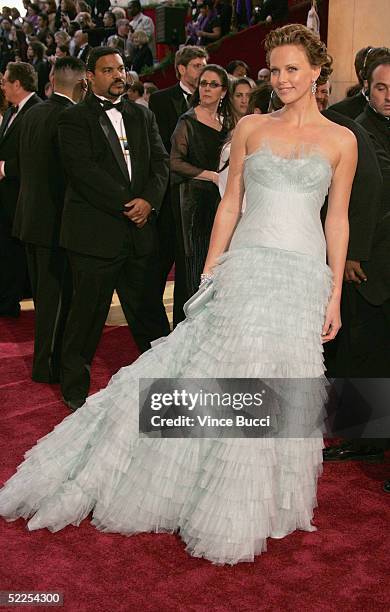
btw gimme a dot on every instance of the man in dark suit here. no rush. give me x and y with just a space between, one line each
117 171
38 215
364 206
168 105
364 345
376 115
376 120
19 86
82 46
353 106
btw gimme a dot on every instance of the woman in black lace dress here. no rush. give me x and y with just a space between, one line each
196 147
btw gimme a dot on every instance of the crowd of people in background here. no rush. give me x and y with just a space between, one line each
196 119
73 27
48 31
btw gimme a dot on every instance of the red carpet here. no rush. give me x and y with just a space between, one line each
342 567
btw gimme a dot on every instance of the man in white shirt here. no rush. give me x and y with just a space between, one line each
19 85
82 47
117 171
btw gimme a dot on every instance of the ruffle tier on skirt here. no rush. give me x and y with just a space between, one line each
224 496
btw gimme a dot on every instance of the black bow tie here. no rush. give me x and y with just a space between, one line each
186 95
107 105
14 109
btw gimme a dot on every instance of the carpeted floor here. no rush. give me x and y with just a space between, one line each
344 566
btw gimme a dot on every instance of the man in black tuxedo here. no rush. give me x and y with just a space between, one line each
168 105
362 349
376 120
19 86
353 106
82 46
376 116
38 215
117 171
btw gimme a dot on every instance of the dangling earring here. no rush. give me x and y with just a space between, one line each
220 105
313 87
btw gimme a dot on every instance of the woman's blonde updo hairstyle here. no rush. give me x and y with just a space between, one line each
298 34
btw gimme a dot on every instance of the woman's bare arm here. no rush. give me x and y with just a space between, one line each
337 228
336 224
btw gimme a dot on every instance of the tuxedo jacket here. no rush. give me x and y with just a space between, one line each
366 193
84 55
42 181
377 125
98 184
168 105
377 288
350 107
9 152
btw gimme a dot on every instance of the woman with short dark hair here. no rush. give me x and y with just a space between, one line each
196 146
238 69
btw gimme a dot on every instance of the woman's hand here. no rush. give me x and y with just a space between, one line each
211 176
215 178
332 322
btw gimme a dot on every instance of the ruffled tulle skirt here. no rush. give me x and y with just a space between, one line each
224 496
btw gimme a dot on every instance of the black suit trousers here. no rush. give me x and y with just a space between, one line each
51 284
362 351
13 271
172 252
364 345
136 280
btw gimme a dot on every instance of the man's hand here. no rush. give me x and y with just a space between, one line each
353 273
138 211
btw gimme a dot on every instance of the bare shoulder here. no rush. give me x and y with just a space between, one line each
252 122
341 137
249 125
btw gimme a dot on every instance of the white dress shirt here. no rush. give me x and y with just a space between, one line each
20 106
81 50
186 92
115 116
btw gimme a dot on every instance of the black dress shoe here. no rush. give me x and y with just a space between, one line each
74 404
330 452
386 486
346 452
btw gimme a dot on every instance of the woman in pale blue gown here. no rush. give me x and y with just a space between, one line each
275 302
